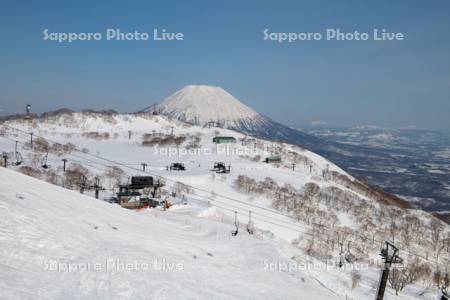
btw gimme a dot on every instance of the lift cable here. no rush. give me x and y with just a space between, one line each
362 237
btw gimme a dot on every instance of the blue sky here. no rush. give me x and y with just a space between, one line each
396 83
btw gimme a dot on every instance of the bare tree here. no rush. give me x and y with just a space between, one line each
442 280
436 231
413 271
115 175
181 188
76 177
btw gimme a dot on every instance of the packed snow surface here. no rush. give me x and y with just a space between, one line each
58 244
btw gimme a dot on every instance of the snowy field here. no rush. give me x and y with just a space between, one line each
187 251
58 244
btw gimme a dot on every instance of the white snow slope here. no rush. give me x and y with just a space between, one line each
58 244
41 222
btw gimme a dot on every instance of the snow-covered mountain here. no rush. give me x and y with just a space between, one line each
201 104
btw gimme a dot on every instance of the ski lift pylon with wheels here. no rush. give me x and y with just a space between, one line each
236 231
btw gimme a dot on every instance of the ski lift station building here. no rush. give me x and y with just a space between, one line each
273 159
224 139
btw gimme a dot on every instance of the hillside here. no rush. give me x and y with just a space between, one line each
410 162
45 230
401 171
304 206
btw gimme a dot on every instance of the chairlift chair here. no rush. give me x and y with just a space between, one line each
340 262
19 158
250 225
341 256
236 231
349 256
45 161
250 228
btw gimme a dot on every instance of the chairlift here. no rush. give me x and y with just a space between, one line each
236 231
18 156
250 226
349 256
44 164
341 256
19 159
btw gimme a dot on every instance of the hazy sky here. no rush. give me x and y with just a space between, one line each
391 83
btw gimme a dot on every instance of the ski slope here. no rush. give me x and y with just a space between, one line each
130 153
64 226
42 224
